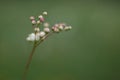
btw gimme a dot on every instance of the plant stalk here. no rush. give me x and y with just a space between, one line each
31 55
29 61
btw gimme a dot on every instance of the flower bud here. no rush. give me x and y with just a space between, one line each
47 30
55 29
67 28
61 27
37 37
41 18
42 34
33 22
38 22
32 18
37 29
70 27
46 25
56 25
44 13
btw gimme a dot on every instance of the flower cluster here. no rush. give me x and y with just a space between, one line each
39 34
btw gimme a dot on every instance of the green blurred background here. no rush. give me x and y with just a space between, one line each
90 51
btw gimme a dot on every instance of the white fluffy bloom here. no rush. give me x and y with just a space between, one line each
31 37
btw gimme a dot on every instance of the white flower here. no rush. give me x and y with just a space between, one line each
47 30
31 37
42 34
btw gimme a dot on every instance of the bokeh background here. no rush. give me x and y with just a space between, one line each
90 51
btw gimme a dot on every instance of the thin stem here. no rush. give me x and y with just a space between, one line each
31 55
29 61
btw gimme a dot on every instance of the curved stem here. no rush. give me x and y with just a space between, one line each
29 61
31 55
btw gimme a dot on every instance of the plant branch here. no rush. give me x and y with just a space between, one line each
29 61
31 55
